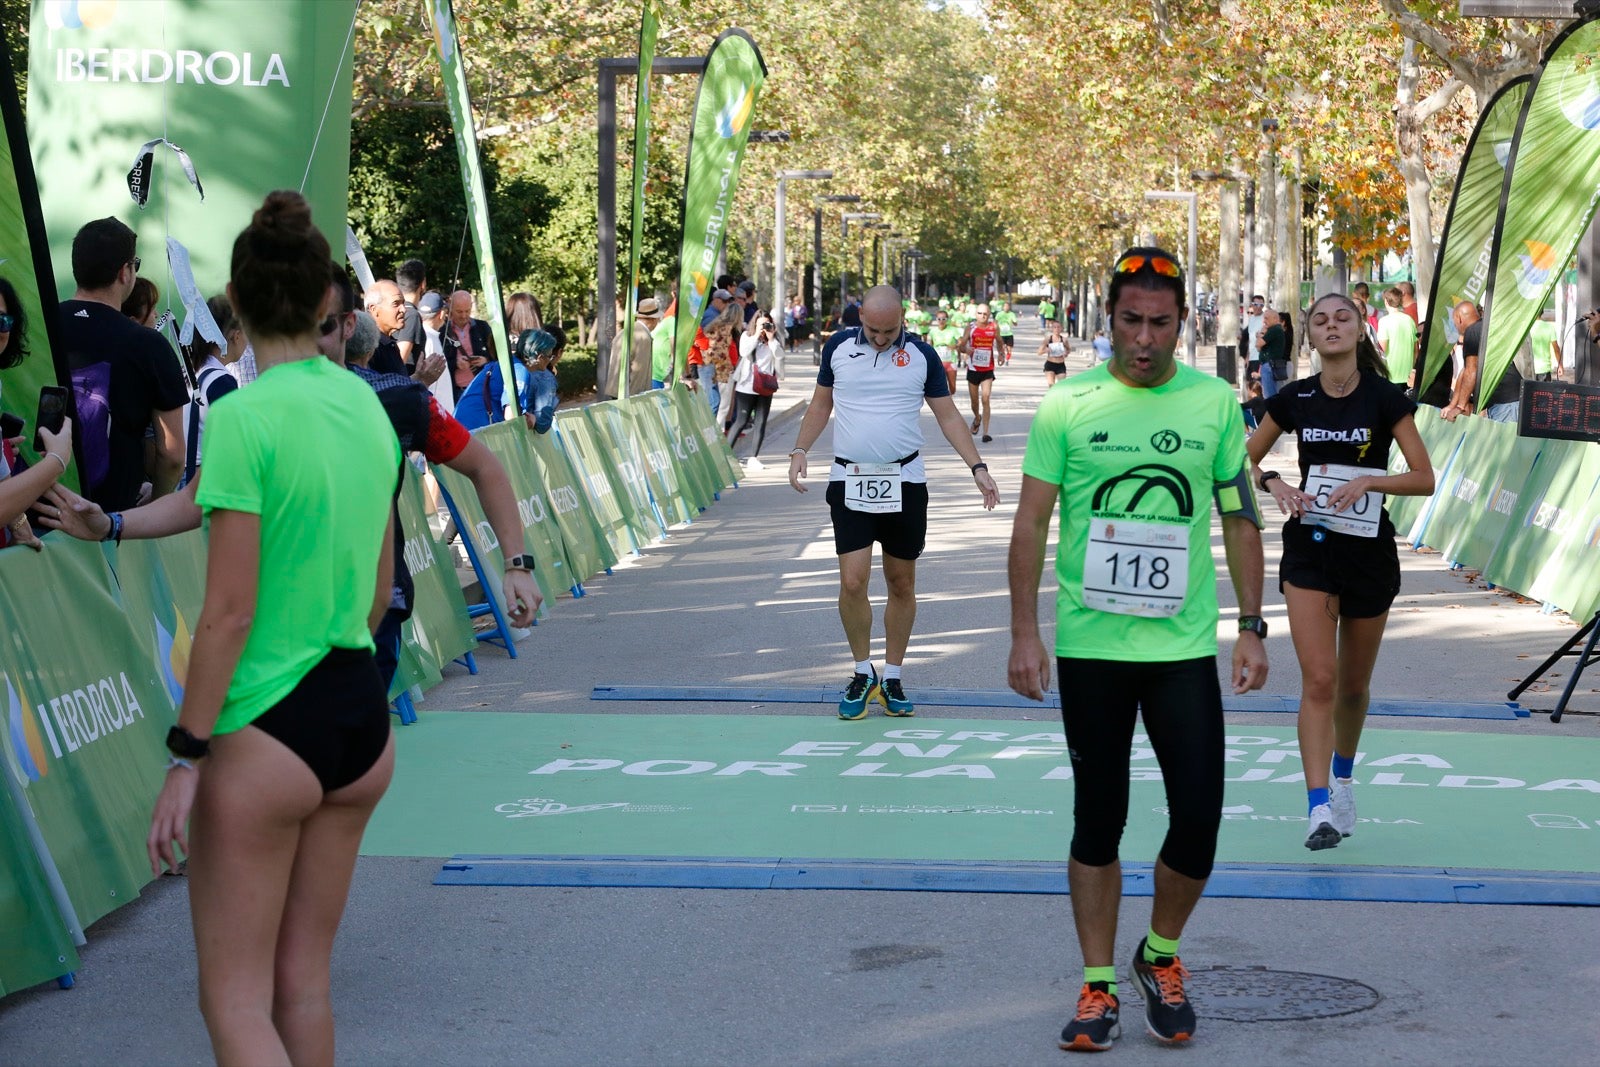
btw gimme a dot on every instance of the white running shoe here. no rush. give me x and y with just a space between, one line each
754 464
1322 834
1342 805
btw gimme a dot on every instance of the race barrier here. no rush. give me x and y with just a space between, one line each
99 642
1523 511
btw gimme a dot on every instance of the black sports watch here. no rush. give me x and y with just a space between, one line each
1253 624
523 562
184 745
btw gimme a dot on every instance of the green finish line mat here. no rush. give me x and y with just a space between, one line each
762 788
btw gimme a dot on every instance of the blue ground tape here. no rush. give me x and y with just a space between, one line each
1247 880
1004 698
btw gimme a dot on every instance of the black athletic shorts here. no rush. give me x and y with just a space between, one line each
903 533
1053 367
336 720
1363 572
976 376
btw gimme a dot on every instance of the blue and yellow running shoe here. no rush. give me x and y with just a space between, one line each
893 699
862 690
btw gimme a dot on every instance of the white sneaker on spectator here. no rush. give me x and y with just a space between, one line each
1342 805
754 464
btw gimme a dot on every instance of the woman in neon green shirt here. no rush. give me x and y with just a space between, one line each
282 746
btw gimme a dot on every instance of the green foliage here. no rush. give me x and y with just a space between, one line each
406 199
575 371
14 23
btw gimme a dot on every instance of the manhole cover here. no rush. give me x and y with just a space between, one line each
1257 995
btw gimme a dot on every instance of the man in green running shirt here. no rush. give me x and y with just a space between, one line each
1006 319
1047 313
944 338
1136 450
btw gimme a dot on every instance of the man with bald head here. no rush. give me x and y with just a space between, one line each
876 379
468 344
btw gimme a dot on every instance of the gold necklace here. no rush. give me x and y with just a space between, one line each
1344 386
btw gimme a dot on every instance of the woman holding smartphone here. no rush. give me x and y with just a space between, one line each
18 493
282 747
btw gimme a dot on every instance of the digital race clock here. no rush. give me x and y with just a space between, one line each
1561 410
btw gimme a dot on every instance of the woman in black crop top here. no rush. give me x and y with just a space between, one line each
1340 570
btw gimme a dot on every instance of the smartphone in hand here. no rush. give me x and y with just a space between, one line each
52 412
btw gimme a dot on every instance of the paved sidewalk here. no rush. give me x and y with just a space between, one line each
746 596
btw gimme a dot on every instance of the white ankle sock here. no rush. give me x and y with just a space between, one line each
891 670
864 667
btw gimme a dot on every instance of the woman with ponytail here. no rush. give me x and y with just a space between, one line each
282 747
1340 569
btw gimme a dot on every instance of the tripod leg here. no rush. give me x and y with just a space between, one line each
1583 661
1555 657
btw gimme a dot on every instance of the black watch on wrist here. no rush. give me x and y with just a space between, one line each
1253 624
184 745
523 562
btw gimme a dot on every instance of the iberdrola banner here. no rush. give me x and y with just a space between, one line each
459 103
178 118
1466 247
649 25
723 109
25 263
1550 194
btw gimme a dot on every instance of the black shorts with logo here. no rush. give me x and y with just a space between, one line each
1363 572
903 533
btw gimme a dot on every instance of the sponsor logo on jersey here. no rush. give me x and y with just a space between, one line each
1359 435
1124 493
1099 437
1166 441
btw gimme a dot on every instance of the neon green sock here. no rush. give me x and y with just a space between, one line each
1108 975
1156 946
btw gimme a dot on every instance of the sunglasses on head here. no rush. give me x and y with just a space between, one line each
1136 263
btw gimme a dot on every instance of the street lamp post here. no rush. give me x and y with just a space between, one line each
914 256
816 269
1194 227
778 300
844 235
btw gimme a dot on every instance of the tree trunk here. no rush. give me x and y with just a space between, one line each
1408 118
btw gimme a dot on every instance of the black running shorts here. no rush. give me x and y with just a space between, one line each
902 533
336 719
976 376
1053 367
1363 572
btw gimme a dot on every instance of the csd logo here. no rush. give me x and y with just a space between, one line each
79 14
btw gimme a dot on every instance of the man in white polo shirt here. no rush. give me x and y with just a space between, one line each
876 379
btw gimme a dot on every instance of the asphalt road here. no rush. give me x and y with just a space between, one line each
744 596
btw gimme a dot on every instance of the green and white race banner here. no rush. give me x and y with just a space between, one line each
649 25
734 75
1550 194
1466 247
609 503
459 102
195 110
